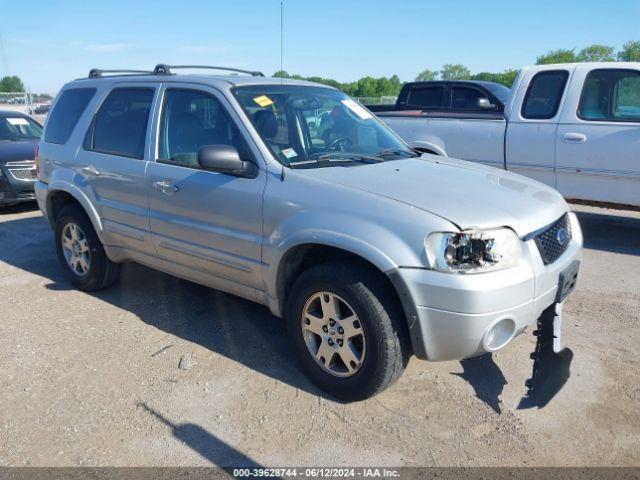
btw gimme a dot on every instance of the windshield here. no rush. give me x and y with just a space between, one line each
19 128
308 124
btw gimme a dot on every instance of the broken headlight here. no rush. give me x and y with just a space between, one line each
473 251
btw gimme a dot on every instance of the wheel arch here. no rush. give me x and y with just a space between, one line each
428 147
302 256
63 194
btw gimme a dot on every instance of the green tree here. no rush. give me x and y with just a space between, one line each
561 55
505 78
455 72
630 52
596 53
11 84
427 76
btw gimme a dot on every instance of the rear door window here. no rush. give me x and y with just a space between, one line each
120 126
426 97
611 95
66 113
466 98
544 95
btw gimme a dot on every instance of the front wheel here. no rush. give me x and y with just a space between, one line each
80 251
347 330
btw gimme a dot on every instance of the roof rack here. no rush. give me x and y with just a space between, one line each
162 69
97 73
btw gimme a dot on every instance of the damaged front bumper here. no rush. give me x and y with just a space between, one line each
456 316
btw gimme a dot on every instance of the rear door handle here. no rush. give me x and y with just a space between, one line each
574 138
91 170
165 187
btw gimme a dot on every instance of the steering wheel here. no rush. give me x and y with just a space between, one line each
339 144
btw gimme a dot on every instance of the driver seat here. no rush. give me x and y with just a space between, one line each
266 124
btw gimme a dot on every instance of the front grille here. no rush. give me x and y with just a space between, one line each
554 239
24 173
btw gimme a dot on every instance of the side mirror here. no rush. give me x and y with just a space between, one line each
225 159
485 104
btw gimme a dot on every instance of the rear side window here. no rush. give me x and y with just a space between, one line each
465 98
544 94
120 126
426 97
66 113
611 95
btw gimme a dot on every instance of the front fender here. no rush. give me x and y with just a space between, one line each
370 241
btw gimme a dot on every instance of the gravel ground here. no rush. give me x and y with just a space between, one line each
160 371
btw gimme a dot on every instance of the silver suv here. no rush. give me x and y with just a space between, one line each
293 195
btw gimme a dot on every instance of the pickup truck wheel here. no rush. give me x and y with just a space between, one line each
81 253
346 330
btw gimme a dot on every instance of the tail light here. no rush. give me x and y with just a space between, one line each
37 160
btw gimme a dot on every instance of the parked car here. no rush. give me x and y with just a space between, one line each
575 127
369 251
467 97
42 109
19 136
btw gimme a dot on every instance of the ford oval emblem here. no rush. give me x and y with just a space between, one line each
562 236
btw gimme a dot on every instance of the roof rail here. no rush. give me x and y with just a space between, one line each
97 73
162 69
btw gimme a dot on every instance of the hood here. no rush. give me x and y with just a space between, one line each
18 150
464 193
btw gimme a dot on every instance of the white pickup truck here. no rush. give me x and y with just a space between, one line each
575 127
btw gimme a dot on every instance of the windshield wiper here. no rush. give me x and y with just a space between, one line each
398 151
337 157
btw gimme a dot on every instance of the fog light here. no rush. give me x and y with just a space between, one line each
498 334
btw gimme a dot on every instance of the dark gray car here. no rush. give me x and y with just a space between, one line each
19 136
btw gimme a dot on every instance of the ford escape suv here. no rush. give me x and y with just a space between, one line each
293 195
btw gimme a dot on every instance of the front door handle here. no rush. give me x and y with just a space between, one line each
91 170
165 187
574 138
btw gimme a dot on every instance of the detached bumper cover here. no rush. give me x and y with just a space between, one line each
450 315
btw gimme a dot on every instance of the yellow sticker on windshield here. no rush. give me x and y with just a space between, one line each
263 101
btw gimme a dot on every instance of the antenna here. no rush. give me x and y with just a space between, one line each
281 40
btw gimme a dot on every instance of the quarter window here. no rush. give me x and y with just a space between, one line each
191 120
426 97
544 95
120 126
611 95
66 113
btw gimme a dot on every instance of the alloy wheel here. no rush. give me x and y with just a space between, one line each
76 249
333 334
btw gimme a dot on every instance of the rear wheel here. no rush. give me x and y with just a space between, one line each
347 330
80 251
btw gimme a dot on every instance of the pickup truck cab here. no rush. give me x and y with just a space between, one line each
370 251
575 127
449 96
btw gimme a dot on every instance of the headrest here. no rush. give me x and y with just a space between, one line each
266 123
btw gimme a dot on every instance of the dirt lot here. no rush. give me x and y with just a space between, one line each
94 379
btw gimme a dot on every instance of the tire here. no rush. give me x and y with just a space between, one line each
95 271
382 348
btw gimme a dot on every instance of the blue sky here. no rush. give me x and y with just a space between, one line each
61 40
